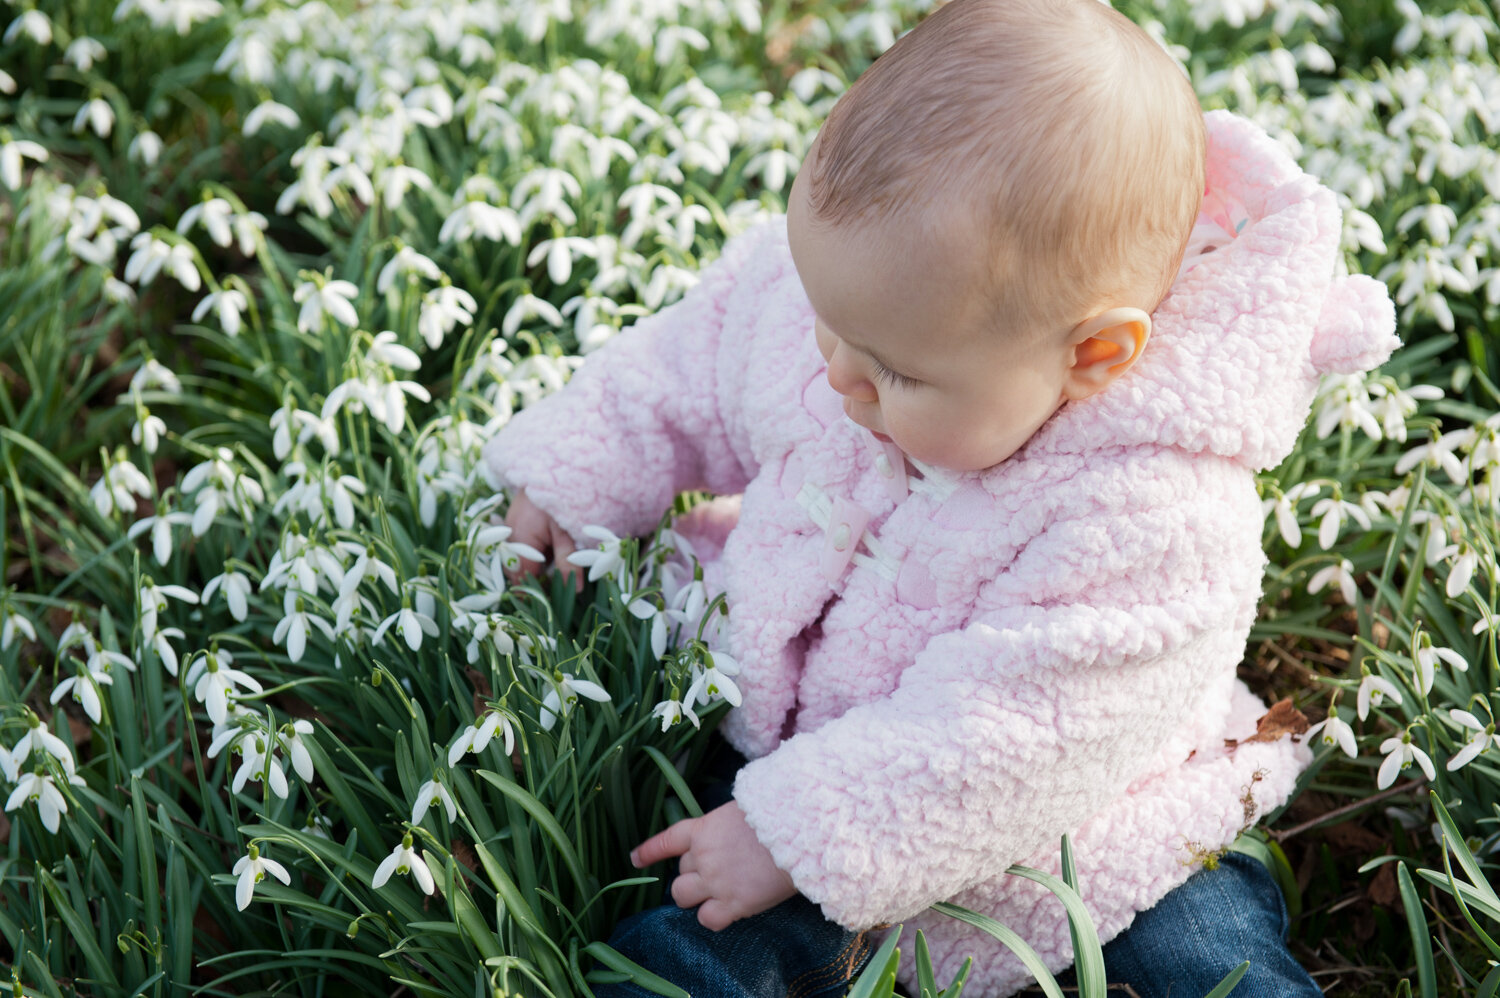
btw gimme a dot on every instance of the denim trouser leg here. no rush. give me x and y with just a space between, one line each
791 951
1201 931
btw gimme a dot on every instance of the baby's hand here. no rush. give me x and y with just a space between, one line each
529 524
723 868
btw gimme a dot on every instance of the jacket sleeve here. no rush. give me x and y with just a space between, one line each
649 415
1081 671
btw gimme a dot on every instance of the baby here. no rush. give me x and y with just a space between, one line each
996 550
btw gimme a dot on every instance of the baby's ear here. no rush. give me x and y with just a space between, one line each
1103 348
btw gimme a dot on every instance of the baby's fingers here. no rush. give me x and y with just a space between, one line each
562 546
715 915
688 890
672 841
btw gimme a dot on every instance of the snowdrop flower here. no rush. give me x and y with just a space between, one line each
1336 731
543 192
1344 402
214 215
1392 405
1400 752
85 689
160 526
564 697
429 791
526 307
1464 558
296 625
248 228
443 308
672 712
228 304
1340 573
560 254
215 483
257 763
45 742
476 218
145 148
33 24
485 627
1332 511
396 180
403 859
165 651
12 153
269 112
410 624
11 624
606 559
1436 453
1372 691
1480 736
654 610
505 555
215 681
367 565
476 737
1428 657
406 263
117 292
153 374
325 298
118 487
148 430
42 788
7 83
252 868
152 255
307 424
318 826
153 599
236 592
716 681
385 350
302 566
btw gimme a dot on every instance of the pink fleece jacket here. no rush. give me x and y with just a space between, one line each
1045 646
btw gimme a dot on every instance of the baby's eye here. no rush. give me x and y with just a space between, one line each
886 376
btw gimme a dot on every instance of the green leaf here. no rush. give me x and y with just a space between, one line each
678 784
879 977
549 824
615 960
1421 940
1222 989
1011 940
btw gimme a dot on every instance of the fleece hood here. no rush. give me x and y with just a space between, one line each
1258 315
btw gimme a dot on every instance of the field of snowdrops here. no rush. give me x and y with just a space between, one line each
272 719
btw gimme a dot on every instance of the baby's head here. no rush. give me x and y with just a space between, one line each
988 218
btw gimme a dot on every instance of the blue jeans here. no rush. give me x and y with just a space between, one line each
1180 948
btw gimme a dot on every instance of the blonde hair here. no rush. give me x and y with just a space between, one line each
1058 126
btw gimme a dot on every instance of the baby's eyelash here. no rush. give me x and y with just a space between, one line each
889 377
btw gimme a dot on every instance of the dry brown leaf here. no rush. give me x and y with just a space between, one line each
1281 720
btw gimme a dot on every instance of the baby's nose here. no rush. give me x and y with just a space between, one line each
845 377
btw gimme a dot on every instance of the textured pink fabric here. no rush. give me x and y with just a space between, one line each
1056 650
